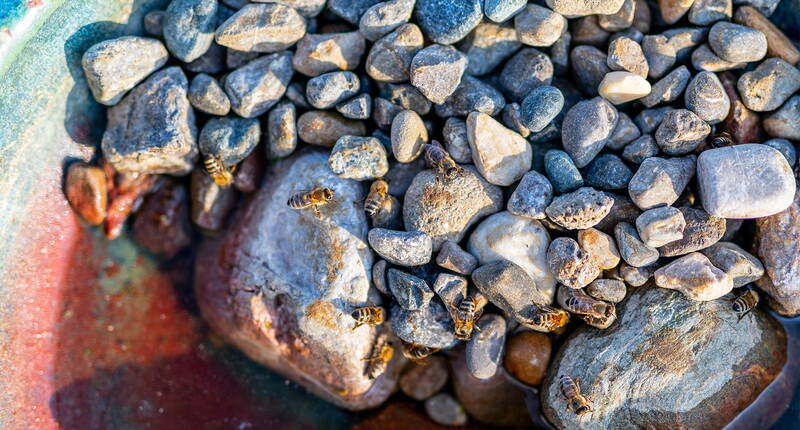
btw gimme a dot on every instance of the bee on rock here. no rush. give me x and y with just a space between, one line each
549 318
466 314
417 353
571 390
378 193
311 199
441 161
376 364
745 303
369 315
222 176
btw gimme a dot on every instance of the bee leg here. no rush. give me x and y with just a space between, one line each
317 213
358 324
578 384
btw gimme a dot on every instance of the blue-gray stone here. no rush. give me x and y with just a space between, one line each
586 128
472 94
608 172
526 70
632 249
260 84
640 149
411 293
207 95
532 196
189 28
405 248
358 107
351 10
212 62
562 172
540 107
327 90
503 10
447 21
230 138
406 96
648 120
485 348
488 46
681 132
786 148
430 326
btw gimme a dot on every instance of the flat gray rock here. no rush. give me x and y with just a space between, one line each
411 292
737 43
327 90
206 94
485 348
631 247
509 288
390 58
660 181
430 326
405 248
669 88
259 85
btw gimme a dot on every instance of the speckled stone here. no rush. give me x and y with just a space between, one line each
625 54
786 148
609 290
257 86
321 53
600 246
267 27
768 86
382 18
586 128
625 132
631 247
452 257
561 171
485 348
737 263
705 12
695 277
509 288
589 67
648 120
409 135
640 149
681 132
500 155
430 326
580 209
358 107
702 230
350 10
327 90
502 10
389 59
660 226
324 128
410 292
281 137
576 8
669 88
785 122
660 181
436 71
189 27
539 26
706 97
737 43
571 265
471 95
448 21
540 107
488 46
359 158
525 71
531 197
703 58
231 138
608 172
660 55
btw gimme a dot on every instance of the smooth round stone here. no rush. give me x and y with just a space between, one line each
324 128
502 10
452 257
768 86
579 209
660 181
622 87
589 67
669 88
436 71
359 158
660 55
389 59
268 27
705 12
384 17
600 246
586 128
539 26
230 138
86 188
501 155
786 148
321 53
576 8
785 122
527 356
445 410
531 197
608 172
737 43
423 380
730 189
206 94
610 290
540 107
660 226
448 21
562 172
695 277
702 230
488 46
408 135
681 132
706 97
620 20
189 28
635 252
640 149
326 91
525 71
625 54
485 348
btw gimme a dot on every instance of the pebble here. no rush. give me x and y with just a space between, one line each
327 90
684 40
212 62
669 88
235 59
350 10
579 209
785 122
673 10
608 172
589 67
322 53
408 136
390 58
87 191
502 10
730 189
702 230
586 128
430 326
512 118
695 277
740 265
359 158
462 201
358 107
522 241
501 155
404 248
296 93
509 288
623 209
648 120
561 171
586 31
619 20
115 66
777 246
576 8
660 181
571 265
153 23
383 112
456 141
382 18
539 26
259 85
406 96
705 12
485 348
527 356
452 257
230 138
410 292
324 128
625 132
162 224
422 380
703 58
531 197
488 46
660 226
189 28
281 138
436 71
445 410
559 53
152 130
660 55
600 246
609 290
472 95
622 87
453 289
206 94
778 45
737 43
249 173
267 27
211 204
640 149
379 277
681 132
768 86
706 97
637 276
540 107
448 21
632 249
526 70
625 54
307 8
786 148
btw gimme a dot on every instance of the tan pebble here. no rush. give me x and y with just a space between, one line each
621 87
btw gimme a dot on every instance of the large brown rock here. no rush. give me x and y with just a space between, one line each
286 303
778 247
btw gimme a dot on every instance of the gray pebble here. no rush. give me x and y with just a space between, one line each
580 209
324 128
625 132
257 86
445 410
540 107
589 67
230 138
706 97
705 12
405 248
321 53
660 226
648 120
379 277
640 149
740 265
114 66
559 53
189 28
619 20
452 257
637 276
785 122
737 43
359 158
669 88
406 96
456 141
451 289
768 86
409 136
281 130
350 10
684 40
411 292
358 107
436 71
488 46
383 112
212 62
448 21
561 171
631 33
586 31
525 71
154 23
609 290
485 349
207 95
660 55
531 197
539 26
575 8
608 172
211 204
390 58
631 248
510 288
267 27
702 230
502 10
235 59
512 118
383 18
703 58
472 95
307 8
586 128
660 181
327 90
786 148
681 132
571 265
430 326
625 54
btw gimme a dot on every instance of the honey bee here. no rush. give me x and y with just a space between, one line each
549 318
221 175
370 315
466 314
378 193
441 161
311 199
745 303
571 390
377 363
580 303
417 353
721 139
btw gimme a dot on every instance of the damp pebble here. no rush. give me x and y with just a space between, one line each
87 191
527 356
422 380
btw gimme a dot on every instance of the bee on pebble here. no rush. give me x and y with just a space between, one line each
311 199
222 176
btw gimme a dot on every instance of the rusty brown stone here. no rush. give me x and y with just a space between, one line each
86 191
673 10
126 191
162 224
742 124
527 356
778 45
